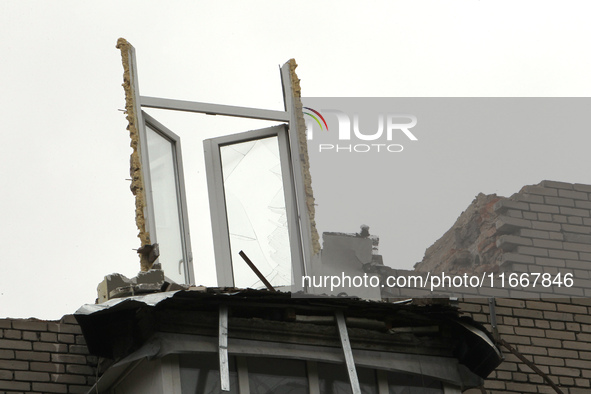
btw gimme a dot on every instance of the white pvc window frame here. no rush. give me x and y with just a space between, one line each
217 201
175 142
299 226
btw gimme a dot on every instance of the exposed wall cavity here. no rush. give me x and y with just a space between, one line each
470 244
303 145
137 181
542 228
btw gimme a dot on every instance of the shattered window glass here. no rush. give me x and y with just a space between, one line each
255 203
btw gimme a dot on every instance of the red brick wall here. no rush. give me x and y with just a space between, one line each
555 335
44 357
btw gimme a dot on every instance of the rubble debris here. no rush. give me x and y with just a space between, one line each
151 281
470 244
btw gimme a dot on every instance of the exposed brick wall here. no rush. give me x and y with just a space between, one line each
44 357
554 334
547 228
543 228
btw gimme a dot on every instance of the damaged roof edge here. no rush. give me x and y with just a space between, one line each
164 344
132 321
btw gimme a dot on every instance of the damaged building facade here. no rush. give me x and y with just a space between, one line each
231 339
542 340
160 333
544 228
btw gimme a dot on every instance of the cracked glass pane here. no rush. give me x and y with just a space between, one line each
166 205
257 220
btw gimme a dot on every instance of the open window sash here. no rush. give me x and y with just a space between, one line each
253 208
166 205
164 217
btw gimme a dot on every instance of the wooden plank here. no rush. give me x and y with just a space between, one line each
346 344
258 273
223 349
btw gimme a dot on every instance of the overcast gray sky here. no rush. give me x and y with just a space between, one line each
66 212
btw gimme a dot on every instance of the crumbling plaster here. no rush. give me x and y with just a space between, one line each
304 159
135 171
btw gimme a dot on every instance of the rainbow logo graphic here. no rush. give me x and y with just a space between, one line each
315 118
